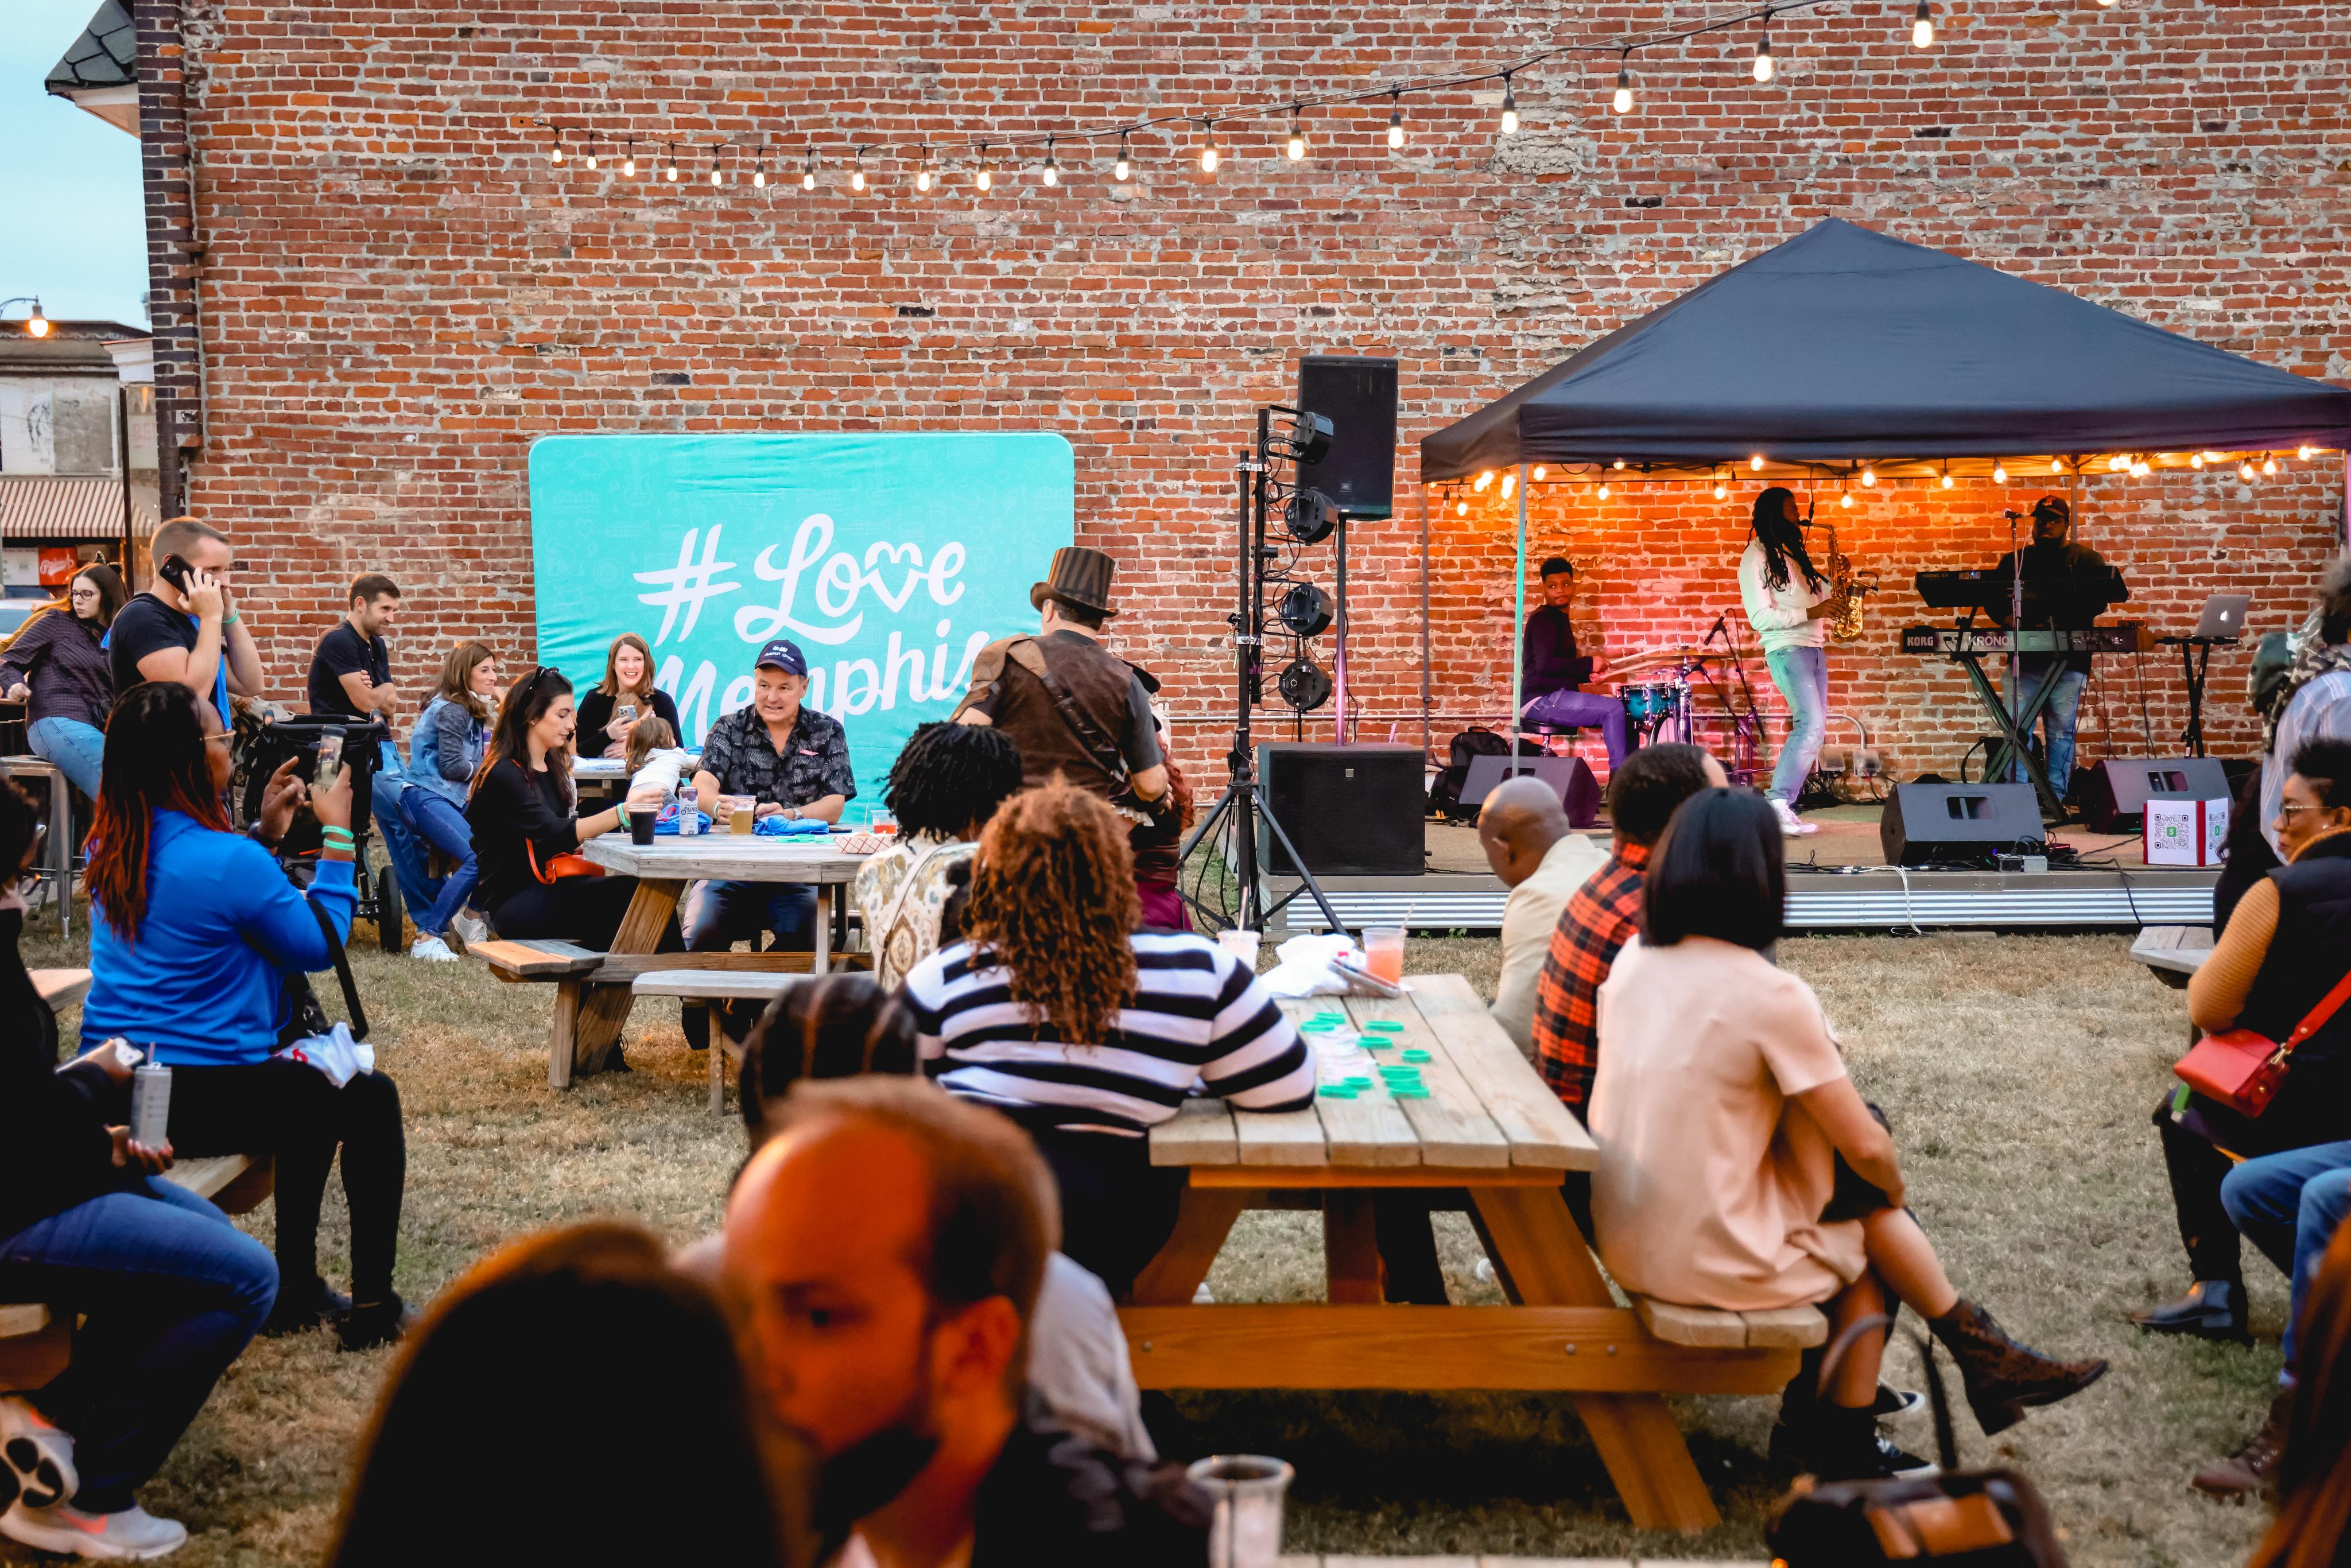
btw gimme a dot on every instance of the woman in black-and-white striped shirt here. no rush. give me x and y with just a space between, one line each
1059 1013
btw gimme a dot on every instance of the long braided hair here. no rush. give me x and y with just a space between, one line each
155 761
1783 540
1053 901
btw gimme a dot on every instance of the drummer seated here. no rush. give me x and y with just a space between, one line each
1555 672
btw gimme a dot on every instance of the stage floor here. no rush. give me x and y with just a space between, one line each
1848 836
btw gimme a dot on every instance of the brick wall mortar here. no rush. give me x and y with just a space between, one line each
399 294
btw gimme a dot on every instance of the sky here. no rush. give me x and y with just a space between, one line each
71 227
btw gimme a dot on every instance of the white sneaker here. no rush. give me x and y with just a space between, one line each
433 950
40 1455
1791 825
133 1534
470 927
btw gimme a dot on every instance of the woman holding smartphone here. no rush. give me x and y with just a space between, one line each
626 695
56 666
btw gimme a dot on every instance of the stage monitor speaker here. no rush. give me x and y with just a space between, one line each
2113 794
1569 777
1929 822
1358 396
1351 810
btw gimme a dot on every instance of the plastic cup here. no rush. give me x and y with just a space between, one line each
641 825
1248 1490
1384 953
1241 945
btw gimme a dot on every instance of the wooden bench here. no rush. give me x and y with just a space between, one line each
37 1341
1707 1328
2173 953
572 969
61 988
716 985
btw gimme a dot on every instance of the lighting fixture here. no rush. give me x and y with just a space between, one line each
985 176
1623 103
2303 452
1310 517
629 164
1460 508
1539 471
1509 483
1721 490
1396 119
1947 481
554 151
2269 464
1483 480
2245 471
1306 609
1756 463
2196 461
1922 30
923 174
1620 463
1868 477
1124 168
1297 136
1764 51
1209 147
1303 686
1510 108
2000 474
717 176
1053 172
1603 492
857 176
591 150
672 166
808 174
1845 501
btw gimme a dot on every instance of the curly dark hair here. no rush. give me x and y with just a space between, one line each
833 1026
951 776
1053 901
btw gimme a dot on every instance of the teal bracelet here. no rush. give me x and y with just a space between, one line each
337 838
621 812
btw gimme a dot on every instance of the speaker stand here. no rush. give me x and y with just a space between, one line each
1244 800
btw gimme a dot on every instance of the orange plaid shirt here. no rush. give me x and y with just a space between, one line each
1601 916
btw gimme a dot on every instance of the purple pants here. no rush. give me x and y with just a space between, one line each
1581 710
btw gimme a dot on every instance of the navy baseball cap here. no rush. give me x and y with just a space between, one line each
784 655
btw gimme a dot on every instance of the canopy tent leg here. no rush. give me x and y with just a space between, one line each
1518 621
1427 738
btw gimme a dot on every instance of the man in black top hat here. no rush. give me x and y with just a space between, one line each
2065 588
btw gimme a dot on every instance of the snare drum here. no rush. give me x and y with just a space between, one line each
1649 702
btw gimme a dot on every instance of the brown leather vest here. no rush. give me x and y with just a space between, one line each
1097 681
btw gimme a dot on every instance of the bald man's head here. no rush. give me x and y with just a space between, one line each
1517 826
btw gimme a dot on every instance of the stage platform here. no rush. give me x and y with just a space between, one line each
1837 881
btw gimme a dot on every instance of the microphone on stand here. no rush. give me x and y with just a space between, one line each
1721 628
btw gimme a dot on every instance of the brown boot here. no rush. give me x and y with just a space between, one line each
2003 1378
2248 1472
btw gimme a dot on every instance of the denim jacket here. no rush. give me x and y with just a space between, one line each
427 768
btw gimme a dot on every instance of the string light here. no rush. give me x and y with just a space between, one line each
1868 476
1539 471
1510 485
629 164
2000 474
591 150
1482 480
673 162
1722 489
2118 462
1603 492
2303 452
986 176
857 176
1396 120
1510 108
1124 168
1052 165
2269 465
1209 147
555 152
1620 463
2196 461
1947 479
759 168
1845 501
1756 463
2140 468
716 177
807 175
923 174
1460 508
1297 136
1623 103
2245 471
1922 30
1764 51
2210 455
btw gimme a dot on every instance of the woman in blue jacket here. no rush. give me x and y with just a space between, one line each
445 750
194 931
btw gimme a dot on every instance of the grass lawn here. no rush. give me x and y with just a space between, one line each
2018 1072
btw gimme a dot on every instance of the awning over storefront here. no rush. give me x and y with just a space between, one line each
39 507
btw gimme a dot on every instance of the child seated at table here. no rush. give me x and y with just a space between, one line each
654 759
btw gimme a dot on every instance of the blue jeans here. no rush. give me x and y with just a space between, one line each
2288 1205
173 1292
1581 710
439 820
73 747
716 913
2056 723
1803 677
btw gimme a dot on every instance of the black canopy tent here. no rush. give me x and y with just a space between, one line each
1844 348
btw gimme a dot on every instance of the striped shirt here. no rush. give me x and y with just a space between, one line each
1198 1022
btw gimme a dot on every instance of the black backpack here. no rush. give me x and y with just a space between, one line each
1445 795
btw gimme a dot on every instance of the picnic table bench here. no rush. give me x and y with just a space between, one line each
1490 1127
2173 953
37 1339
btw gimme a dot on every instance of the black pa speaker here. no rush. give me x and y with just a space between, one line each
1358 396
1929 822
1569 776
1351 810
2113 795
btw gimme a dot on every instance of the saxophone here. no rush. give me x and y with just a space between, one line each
1846 624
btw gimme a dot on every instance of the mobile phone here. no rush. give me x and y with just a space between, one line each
626 713
174 570
330 760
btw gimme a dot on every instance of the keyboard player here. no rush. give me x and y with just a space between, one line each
2065 588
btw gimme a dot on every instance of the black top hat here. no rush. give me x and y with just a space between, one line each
1079 577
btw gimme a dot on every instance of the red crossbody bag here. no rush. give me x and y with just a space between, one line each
2242 1070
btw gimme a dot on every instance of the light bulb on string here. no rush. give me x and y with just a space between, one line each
1946 475
807 172
1603 491
1623 101
2245 471
2196 461
1756 463
1124 168
984 177
1396 120
1460 508
554 151
671 173
1922 29
1510 108
1620 463
629 164
1209 147
591 159
2118 462
857 176
1539 471
1868 476
2000 473
1722 489
717 176
1482 480
1845 501
2303 452
1297 136
1510 485
1053 171
1764 64
923 174
2269 465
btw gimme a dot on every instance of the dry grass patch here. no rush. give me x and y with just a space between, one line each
2018 1072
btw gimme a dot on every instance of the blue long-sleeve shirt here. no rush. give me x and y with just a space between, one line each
205 980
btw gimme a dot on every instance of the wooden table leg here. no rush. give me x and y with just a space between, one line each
825 898
563 1039
1350 1248
1174 1277
605 1008
1545 1261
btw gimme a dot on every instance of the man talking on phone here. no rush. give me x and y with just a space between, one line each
184 628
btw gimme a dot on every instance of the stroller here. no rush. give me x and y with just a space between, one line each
268 745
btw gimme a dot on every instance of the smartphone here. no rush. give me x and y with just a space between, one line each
174 570
626 713
330 760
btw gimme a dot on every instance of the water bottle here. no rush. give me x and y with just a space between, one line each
689 813
150 1104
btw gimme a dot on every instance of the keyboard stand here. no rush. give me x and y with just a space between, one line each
2195 655
2015 730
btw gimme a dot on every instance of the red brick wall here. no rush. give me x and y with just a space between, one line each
399 294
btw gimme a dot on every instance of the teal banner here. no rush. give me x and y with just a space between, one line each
891 560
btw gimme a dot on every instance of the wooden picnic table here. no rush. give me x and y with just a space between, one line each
663 868
1492 1128
2173 954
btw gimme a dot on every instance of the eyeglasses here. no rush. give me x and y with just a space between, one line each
2290 811
222 738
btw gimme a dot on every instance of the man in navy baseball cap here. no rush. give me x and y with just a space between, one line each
794 761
